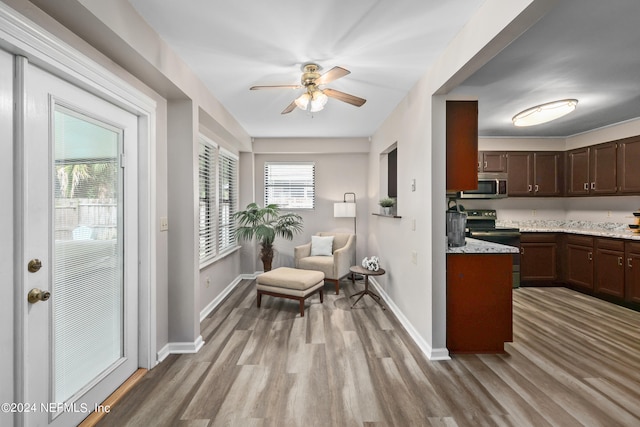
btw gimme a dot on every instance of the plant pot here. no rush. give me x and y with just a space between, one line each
386 210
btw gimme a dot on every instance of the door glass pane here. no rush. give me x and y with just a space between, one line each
87 294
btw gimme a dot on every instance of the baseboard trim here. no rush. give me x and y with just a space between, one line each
432 354
218 300
180 348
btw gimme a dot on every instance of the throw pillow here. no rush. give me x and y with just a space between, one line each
321 245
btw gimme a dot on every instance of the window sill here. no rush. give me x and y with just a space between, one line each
388 216
224 254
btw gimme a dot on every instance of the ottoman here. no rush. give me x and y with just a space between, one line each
290 283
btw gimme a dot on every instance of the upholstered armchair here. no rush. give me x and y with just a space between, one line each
335 263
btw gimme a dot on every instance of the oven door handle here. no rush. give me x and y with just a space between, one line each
494 233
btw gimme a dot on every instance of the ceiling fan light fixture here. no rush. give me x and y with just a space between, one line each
302 102
318 101
544 113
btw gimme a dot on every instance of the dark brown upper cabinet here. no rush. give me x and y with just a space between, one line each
462 145
602 169
628 165
578 172
492 161
535 173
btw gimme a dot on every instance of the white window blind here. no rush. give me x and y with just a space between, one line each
228 199
207 189
290 185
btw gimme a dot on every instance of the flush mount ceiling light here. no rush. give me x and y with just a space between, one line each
545 112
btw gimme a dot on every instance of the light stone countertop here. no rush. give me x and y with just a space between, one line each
475 246
597 229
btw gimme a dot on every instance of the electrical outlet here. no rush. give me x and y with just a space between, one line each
413 184
164 223
533 212
608 214
414 257
207 281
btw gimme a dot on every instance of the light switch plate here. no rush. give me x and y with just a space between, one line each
164 223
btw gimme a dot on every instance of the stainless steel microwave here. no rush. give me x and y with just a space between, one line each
490 186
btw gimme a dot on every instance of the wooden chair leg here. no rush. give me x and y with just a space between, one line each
337 283
301 307
259 300
321 296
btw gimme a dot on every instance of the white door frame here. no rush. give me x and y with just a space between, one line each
22 37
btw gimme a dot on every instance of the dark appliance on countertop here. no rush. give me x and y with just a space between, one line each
490 186
481 225
456 225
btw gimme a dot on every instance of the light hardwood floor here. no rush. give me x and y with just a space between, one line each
575 360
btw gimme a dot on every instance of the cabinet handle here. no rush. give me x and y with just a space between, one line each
522 251
529 188
485 165
620 261
537 188
593 185
586 186
590 256
479 165
629 262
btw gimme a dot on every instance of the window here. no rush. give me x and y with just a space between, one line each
290 185
218 189
228 197
207 190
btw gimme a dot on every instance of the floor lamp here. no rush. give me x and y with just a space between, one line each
346 209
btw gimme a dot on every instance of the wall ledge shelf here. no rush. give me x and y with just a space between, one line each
388 216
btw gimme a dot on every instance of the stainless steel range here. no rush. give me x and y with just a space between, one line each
481 224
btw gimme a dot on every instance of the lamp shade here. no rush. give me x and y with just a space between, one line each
344 210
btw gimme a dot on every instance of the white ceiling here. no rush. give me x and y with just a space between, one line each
584 49
235 44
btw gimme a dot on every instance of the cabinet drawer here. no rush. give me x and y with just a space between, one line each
538 238
578 240
611 244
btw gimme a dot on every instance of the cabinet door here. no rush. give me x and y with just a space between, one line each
494 161
579 262
602 173
520 173
547 171
632 272
609 268
538 262
578 172
462 145
628 170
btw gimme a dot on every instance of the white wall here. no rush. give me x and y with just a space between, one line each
417 125
336 174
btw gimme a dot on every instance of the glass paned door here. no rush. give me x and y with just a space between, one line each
87 251
79 220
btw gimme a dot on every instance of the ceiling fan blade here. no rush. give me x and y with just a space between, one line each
333 74
290 108
275 87
344 97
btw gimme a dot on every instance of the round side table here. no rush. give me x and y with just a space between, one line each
356 269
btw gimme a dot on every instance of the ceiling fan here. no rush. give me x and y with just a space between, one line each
314 98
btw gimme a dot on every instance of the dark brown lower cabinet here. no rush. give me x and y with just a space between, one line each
632 272
479 305
538 259
579 262
609 268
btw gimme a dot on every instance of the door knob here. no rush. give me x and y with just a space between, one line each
36 295
34 265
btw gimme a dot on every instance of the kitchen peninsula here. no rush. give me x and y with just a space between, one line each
479 304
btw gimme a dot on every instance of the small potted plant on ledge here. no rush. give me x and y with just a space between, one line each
386 204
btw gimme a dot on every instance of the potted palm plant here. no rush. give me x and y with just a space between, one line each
265 224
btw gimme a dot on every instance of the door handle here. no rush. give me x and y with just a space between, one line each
36 295
34 265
